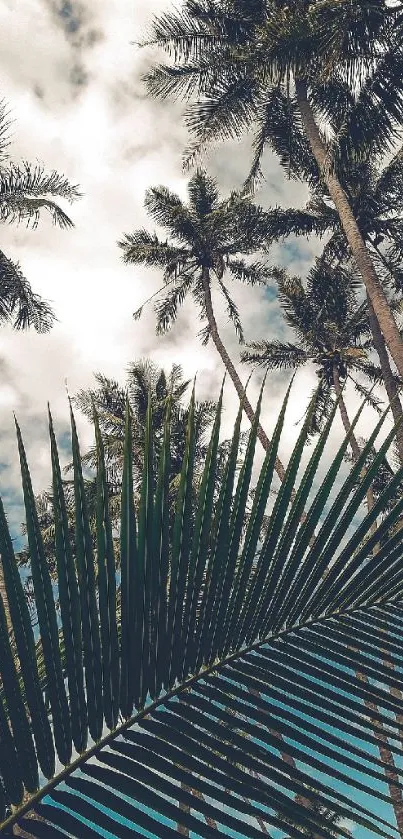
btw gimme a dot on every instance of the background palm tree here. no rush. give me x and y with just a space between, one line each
210 238
145 380
26 192
374 194
331 70
333 333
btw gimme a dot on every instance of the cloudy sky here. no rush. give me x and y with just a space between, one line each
71 77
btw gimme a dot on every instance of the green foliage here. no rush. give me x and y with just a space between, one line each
332 331
237 63
207 235
26 192
233 647
109 399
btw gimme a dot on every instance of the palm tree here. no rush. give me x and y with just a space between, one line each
325 69
210 238
374 194
206 625
26 192
333 333
144 380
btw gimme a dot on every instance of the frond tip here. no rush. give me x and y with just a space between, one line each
138 313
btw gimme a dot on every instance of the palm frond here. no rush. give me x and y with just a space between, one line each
143 247
279 127
25 192
282 223
258 659
220 117
167 209
166 310
274 355
252 273
19 305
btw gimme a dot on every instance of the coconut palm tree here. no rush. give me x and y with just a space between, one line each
374 193
329 69
26 193
333 333
144 380
210 238
241 623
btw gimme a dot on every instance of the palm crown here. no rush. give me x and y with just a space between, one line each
320 77
145 381
332 331
209 237
240 57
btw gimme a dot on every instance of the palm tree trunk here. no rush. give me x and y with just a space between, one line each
353 235
181 828
232 371
388 377
387 759
3 594
347 427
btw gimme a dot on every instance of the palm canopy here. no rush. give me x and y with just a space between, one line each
145 380
231 652
332 330
207 234
374 193
238 59
324 73
26 193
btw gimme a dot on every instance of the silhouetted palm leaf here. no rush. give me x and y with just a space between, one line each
227 639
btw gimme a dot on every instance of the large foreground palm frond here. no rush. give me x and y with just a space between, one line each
248 675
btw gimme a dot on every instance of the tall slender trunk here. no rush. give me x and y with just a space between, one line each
181 828
347 427
388 377
353 235
3 594
232 371
392 776
386 756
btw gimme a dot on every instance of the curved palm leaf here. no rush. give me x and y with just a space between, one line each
262 712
